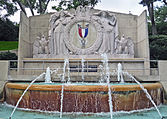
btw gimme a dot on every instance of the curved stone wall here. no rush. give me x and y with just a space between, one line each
83 98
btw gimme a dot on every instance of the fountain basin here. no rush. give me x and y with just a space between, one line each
83 97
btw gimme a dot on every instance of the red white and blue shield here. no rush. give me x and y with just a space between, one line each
83 33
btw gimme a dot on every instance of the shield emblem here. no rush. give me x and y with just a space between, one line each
83 33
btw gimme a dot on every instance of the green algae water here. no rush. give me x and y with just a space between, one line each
6 110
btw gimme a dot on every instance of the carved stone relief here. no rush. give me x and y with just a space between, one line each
83 33
40 46
124 46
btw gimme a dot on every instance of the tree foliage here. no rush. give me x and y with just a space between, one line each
8 30
39 5
69 4
8 6
12 6
8 56
150 7
158 43
161 19
161 14
158 47
165 2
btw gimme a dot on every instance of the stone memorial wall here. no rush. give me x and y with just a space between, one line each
83 32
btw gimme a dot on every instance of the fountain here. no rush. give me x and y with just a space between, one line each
82 64
75 93
91 57
120 73
47 76
105 62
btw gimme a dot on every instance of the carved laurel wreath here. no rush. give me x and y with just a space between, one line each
75 50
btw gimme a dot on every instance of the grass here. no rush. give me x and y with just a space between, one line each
8 45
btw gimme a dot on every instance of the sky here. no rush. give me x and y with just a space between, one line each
122 6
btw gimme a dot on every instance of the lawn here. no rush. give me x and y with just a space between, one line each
8 45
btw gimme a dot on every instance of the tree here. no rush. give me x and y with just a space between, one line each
8 30
158 47
11 6
164 1
161 19
8 6
150 7
39 5
69 4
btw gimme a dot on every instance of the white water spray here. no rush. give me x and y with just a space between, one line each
82 64
101 74
105 63
145 91
66 62
68 70
61 101
120 73
64 69
47 76
40 76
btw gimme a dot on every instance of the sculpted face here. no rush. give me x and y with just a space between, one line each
103 14
62 14
43 36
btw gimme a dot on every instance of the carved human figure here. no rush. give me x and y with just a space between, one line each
43 46
83 11
108 23
36 47
58 31
52 21
123 45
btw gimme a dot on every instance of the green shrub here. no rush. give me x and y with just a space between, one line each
158 47
9 31
9 56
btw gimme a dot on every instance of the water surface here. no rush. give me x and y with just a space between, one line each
5 112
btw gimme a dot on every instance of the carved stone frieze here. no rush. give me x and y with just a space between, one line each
83 32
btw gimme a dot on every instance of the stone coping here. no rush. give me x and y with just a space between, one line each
83 88
87 59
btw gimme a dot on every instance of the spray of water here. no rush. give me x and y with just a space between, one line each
105 63
82 63
68 69
145 91
40 76
64 69
120 73
66 62
47 76
61 101
101 68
